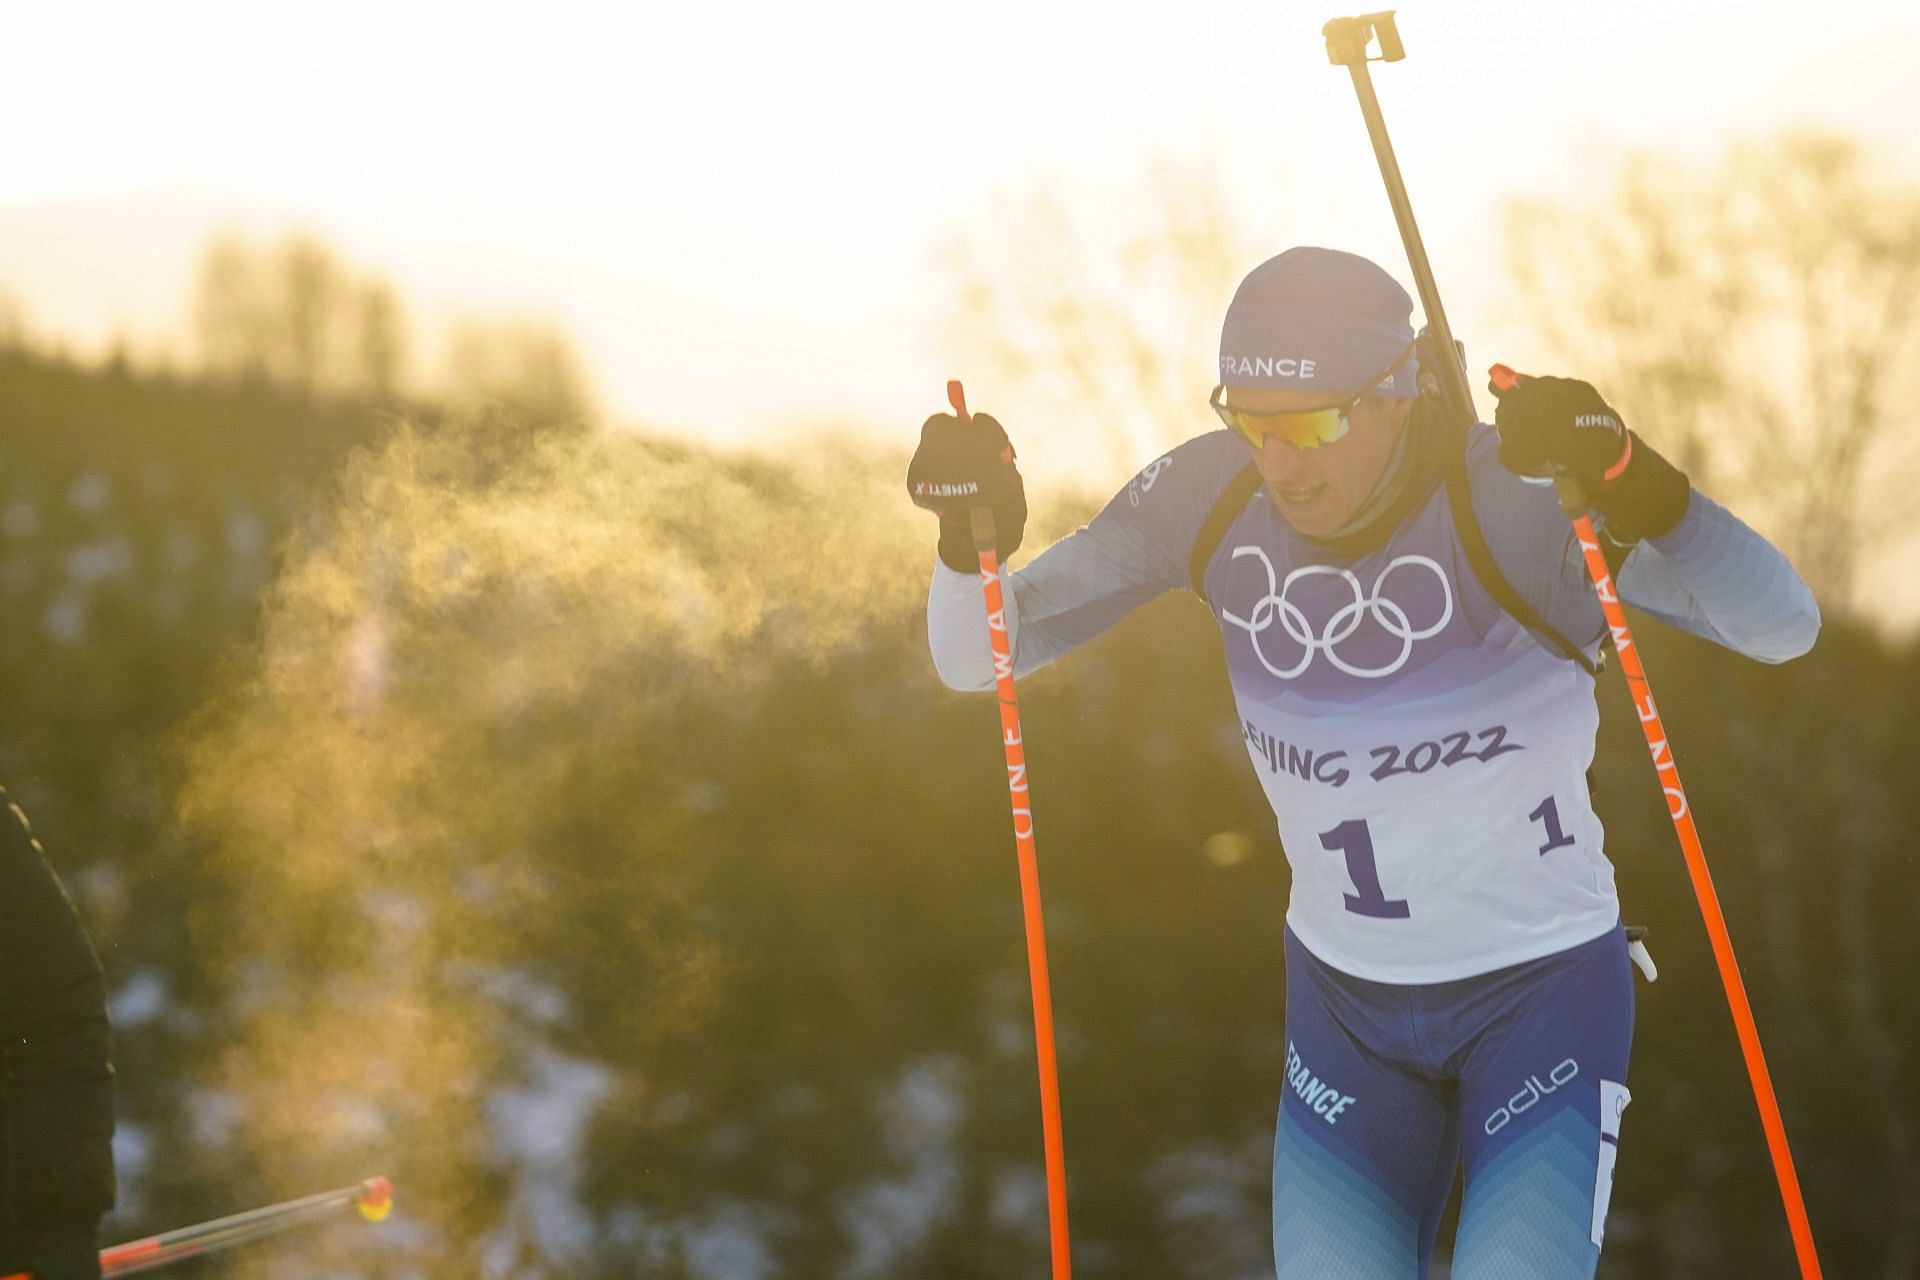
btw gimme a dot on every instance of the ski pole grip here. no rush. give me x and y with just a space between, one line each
1573 496
984 538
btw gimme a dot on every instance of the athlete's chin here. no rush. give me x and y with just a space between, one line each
1314 510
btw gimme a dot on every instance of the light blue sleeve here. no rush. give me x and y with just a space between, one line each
1135 549
1715 577
1710 575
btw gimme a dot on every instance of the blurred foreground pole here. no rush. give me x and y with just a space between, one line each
1347 40
373 1199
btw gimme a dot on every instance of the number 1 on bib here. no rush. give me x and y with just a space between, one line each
1353 839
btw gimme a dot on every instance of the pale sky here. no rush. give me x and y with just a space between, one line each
732 207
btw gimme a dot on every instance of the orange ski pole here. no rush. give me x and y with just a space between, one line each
373 1198
985 542
1574 502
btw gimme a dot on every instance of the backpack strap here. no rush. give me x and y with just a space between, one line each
1226 509
1467 526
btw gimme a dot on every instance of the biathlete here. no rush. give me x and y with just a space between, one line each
1412 641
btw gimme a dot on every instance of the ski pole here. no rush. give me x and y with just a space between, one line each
1681 812
1347 40
986 544
373 1198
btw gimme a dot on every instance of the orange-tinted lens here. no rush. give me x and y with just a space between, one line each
1307 430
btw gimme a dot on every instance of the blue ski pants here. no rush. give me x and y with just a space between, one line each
1520 1073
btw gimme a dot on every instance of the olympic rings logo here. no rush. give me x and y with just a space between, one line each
1346 620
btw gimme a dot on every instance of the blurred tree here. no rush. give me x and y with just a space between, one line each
1096 307
527 367
13 322
1759 318
312 296
299 317
228 321
382 340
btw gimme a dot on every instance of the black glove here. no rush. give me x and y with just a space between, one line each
960 466
1561 426
69 1254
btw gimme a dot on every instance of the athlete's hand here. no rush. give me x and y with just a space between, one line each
962 465
1561 426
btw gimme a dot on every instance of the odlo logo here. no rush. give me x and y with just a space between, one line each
1530 1094
1143 483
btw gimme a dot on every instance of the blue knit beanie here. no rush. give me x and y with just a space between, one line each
1323 320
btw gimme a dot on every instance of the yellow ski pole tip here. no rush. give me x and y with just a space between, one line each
375 1200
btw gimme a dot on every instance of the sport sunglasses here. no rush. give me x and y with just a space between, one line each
1301 428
